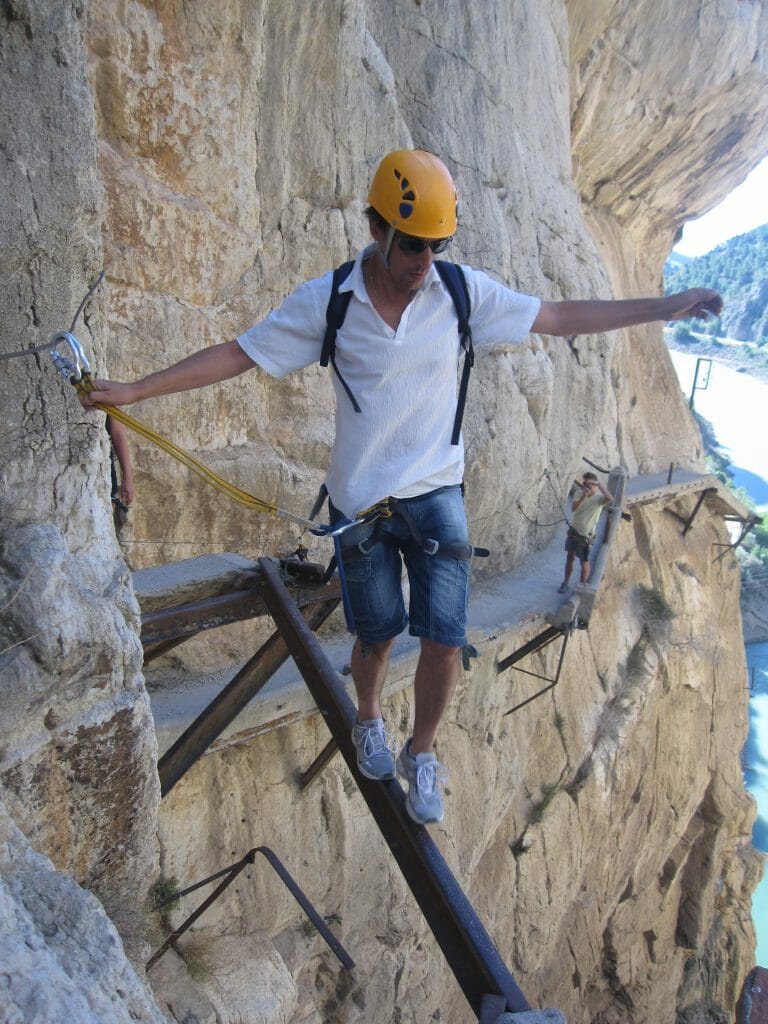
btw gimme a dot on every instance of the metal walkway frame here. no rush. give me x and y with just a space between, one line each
476 964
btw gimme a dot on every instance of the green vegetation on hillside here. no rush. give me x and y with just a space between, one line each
739 270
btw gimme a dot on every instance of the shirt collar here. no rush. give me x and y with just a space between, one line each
356 284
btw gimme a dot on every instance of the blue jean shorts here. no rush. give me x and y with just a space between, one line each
439 583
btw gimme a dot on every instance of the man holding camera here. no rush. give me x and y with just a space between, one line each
581 531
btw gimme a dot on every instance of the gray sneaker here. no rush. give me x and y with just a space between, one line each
423 773
375 750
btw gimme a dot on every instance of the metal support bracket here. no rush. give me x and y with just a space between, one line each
232 872
235 696
538 643
746 526
688 522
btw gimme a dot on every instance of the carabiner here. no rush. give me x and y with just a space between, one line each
74 368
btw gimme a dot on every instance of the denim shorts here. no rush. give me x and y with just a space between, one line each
439 583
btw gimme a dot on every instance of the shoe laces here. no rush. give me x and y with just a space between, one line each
376 740
429 775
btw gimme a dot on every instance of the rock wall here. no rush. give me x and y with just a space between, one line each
78 749
211 218
211 156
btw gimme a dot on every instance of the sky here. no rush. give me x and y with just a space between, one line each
742 210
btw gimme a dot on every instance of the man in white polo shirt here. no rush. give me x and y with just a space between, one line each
397 353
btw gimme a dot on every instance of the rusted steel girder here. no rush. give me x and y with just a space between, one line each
225 707
471 955
163 629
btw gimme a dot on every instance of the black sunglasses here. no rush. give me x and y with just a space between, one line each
406 243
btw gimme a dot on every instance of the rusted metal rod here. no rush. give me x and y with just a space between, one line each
552 682
474 960
323 759
232 872
542 640
237 603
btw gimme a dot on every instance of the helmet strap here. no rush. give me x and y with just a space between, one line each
385 249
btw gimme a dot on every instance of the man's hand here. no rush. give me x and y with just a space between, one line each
109 392
699 303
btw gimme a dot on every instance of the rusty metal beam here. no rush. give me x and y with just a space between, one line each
324 758
185 620
164 628
688 521
746 526
541 640
232 872
474 960
537 675
225 707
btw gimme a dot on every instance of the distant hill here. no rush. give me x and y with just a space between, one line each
676 261
739 270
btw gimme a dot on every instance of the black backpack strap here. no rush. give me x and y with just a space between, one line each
454 280
334 318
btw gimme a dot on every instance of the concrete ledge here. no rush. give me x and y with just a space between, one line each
192 579
505 608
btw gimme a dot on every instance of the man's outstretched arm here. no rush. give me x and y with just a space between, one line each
593 316
208 366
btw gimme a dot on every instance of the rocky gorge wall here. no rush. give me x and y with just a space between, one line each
212 156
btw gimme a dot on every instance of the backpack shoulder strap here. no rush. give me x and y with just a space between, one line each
334 318
454 280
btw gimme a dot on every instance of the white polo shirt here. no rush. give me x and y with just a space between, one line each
404 380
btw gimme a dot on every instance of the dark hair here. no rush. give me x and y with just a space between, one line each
590 476
375 217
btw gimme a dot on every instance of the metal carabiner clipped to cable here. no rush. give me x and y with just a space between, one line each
73 368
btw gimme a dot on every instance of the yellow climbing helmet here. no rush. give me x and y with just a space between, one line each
414 192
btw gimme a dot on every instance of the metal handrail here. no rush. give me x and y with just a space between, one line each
232 872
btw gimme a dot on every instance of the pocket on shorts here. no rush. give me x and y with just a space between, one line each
358 567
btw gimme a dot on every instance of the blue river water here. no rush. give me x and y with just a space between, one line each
735 404
755 763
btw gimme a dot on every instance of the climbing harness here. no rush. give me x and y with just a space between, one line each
370 519
455 282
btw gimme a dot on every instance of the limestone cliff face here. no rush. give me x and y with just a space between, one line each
214 155
78 747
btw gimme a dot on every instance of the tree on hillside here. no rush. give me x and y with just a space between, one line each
739 270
